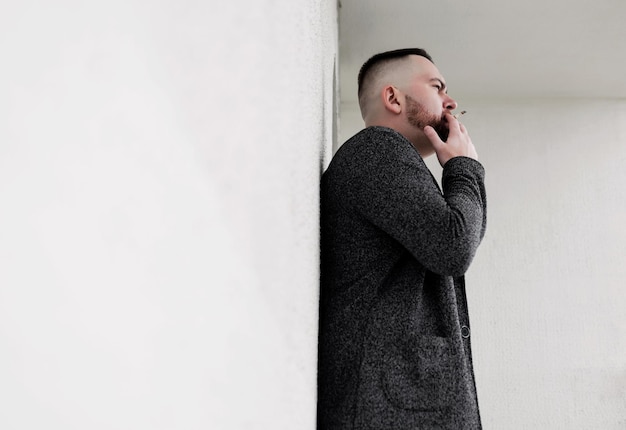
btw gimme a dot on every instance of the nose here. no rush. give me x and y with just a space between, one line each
449 103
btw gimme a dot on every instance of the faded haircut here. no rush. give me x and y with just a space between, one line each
379 62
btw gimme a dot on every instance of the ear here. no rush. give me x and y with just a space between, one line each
391 99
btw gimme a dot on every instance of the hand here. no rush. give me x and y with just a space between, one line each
458 144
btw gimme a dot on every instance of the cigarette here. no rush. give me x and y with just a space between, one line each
456 116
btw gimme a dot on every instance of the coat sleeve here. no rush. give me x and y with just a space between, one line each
442 230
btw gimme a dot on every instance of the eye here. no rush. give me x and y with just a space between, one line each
438 86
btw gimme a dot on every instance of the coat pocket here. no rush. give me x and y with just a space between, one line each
422 375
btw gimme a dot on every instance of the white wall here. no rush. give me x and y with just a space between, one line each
546 289
159 172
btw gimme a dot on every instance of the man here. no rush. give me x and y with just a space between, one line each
394 348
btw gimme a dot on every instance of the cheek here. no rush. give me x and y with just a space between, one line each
437 112
438 107
435 107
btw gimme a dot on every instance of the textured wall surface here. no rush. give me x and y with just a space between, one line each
546 289
159 173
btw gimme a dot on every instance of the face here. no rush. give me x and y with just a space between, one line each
427 99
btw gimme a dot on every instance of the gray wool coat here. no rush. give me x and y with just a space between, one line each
394 345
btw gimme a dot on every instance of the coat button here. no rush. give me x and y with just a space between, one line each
465 332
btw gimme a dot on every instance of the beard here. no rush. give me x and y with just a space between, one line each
418 116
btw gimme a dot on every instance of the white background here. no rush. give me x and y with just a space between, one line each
159 174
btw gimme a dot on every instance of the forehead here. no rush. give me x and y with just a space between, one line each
423 69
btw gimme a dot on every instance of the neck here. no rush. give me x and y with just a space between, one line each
412 134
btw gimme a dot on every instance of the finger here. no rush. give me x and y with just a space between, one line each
453 123
451 118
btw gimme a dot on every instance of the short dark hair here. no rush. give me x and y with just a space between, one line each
384 56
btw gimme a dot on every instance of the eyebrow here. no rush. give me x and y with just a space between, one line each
443 84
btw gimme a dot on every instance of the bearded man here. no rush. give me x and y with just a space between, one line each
394 347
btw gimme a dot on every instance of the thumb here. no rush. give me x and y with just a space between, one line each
432 135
